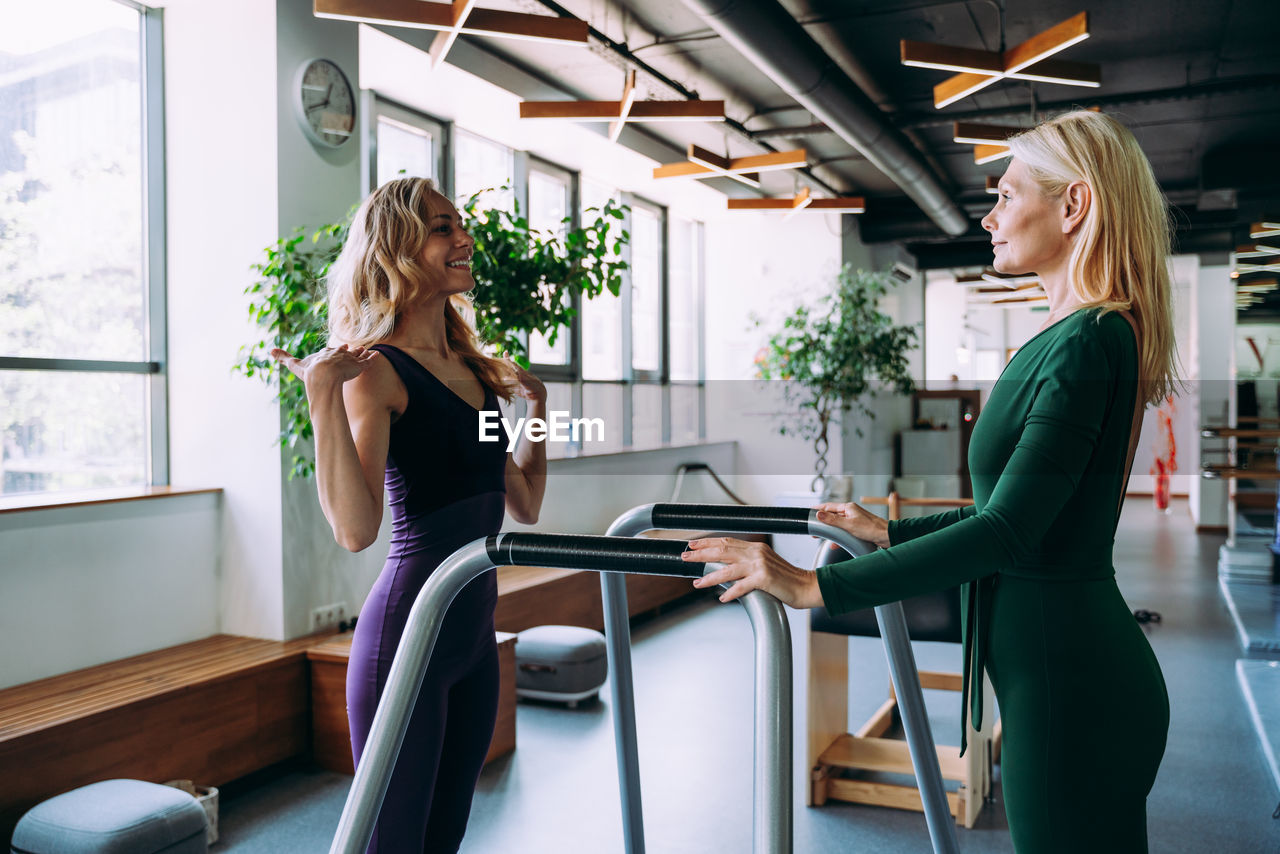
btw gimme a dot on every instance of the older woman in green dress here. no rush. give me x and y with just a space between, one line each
1083 700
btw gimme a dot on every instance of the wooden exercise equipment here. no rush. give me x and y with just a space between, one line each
832 750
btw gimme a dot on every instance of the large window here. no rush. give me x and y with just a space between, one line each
550 200
81 252
634 360
406 144
481 164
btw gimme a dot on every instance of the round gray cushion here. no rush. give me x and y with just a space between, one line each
114 817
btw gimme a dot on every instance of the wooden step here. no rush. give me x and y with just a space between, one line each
887 754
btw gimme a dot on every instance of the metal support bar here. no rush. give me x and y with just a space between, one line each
772 812
608 555
893 629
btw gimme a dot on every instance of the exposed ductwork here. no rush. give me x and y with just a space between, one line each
766 34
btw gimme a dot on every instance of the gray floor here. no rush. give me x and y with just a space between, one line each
558 790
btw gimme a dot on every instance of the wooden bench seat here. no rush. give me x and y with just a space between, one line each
330 734
216 709
211 710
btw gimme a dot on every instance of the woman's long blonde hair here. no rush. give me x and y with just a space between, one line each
1120 257
377 274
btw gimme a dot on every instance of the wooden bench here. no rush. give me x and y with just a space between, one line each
216 709
211 710
330 735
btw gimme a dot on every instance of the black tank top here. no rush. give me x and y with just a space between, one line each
435 457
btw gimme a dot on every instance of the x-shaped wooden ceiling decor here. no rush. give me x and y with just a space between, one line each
801 201
988 140
628 109
453 19
1027 61
702 163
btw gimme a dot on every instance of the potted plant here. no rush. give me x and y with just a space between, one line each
833 355
525 280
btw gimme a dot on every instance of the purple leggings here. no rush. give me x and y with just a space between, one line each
429 798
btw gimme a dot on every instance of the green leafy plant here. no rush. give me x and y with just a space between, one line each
525 282
833 355
525 277
288 302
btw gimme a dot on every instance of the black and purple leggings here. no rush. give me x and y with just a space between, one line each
429 797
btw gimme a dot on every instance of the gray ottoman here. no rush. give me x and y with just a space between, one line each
564 663
114 817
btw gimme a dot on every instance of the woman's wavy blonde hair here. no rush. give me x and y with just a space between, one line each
1119 261
377 274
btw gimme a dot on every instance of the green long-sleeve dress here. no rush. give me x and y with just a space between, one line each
1081 694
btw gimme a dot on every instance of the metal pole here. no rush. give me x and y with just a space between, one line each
622 695
906 681
773 814
893 630
386 734
772 779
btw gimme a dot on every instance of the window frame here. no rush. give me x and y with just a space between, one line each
373 106
571 371
154 259
524 163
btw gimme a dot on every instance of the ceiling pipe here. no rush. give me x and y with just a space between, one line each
766 34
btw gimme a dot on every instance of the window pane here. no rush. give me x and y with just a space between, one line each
559 399
646 290
601 316
684 413
646 415
548 207
682 297
480 164
71 190
72 430
404 151
603 401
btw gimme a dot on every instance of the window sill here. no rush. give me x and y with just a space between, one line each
630 452
57 500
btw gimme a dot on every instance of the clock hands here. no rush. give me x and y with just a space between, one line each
323 103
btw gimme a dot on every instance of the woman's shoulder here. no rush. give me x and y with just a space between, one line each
1098 337
380 385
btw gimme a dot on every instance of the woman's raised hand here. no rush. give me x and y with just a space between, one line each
530 387
333 365
857 521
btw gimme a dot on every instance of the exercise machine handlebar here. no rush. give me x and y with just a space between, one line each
603 554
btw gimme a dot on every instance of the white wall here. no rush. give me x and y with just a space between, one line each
764 265
84 585
1210 374
222 200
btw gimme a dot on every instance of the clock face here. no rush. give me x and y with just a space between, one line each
326 103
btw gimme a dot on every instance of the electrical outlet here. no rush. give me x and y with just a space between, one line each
328 616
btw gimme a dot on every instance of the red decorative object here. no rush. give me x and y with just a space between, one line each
1166 448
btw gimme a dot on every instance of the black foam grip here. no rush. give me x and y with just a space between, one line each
603 554
738 518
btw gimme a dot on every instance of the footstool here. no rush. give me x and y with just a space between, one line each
563 663
114 817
